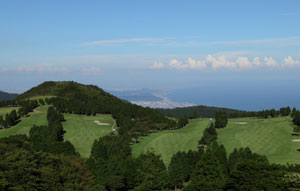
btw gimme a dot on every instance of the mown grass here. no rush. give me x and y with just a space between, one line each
168 142
81 131
5 110
270 137
37 117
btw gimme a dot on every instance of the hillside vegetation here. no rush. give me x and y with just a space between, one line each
69 116
81 131
75 98
197 111
7 96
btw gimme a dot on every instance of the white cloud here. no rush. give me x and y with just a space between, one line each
220 62
256 61
270 62
196 64
177 64
243 62
40 68
92 70
190 64
157 65
290 62
122 41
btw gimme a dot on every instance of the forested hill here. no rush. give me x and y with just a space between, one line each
197 111
72 97
65 89
7 96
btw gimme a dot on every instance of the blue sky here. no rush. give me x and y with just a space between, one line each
149 44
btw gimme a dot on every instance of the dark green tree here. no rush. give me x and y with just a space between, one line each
207 175
221 120
152 173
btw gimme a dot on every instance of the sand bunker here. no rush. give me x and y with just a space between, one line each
296 140
241 123
36 111
100 123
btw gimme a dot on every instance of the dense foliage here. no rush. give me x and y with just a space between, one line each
200 111
12 118
221 119
50 138
209 135
284 111
7 96
23 168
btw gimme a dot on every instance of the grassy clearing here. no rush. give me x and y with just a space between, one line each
168 142
38 117
270 137
5 110
81 130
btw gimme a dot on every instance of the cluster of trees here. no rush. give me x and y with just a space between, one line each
221 119
296 117
296 120
24 168
26 106
10 119
13 117
182 122
209 135
200 111
284 111
8 103
50 138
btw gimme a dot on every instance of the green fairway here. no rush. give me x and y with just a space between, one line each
5 110
38 117
270 137
82 130
168 142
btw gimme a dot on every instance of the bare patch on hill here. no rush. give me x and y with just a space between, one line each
296 140
100 123
36 111
241 123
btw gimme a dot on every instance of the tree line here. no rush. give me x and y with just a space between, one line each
50 138
10 119
136 120
283 111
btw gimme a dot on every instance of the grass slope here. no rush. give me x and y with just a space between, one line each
168 142
81 131
270 137
37 117
5 110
